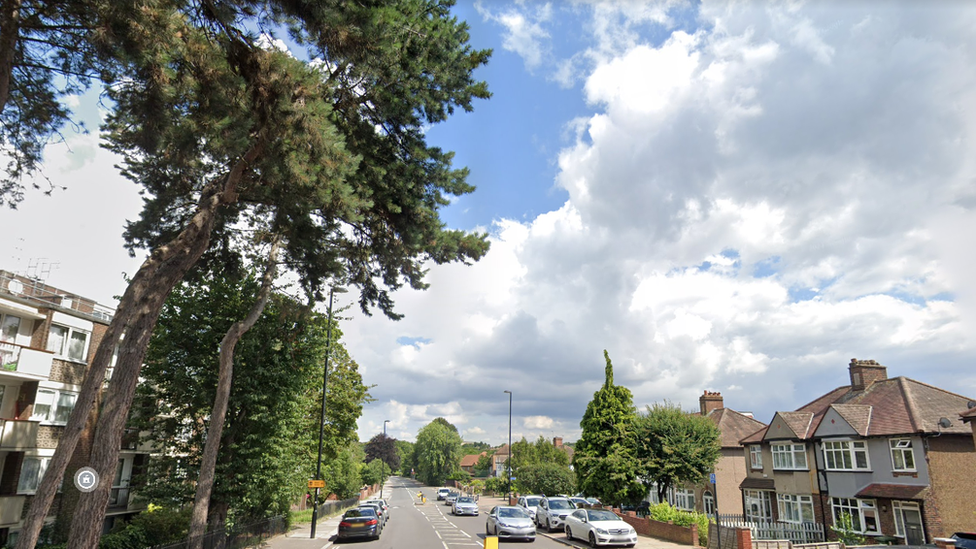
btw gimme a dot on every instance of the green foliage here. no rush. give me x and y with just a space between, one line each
663 512
477 486
675 447
438 452
469 448
844 529
546 478
154 526
343 473
375 472
270 440
483 467
605 459
405 452
495 485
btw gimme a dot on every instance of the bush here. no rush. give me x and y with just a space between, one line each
663 512
845 530
494 485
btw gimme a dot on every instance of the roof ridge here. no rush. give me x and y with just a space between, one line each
824 395
745 416
909 403
940 389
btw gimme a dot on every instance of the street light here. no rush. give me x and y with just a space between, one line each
511 453
325 383
383 467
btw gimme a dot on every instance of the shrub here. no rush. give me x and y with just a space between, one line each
663 512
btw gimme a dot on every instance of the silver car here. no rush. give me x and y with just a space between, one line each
510 522
552 513
530 504
465 505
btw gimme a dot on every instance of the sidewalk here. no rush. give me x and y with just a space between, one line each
299 537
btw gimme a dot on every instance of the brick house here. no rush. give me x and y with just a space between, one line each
880 450
469 461
47 339
498 459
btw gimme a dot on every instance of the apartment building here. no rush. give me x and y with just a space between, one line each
880 450
47 339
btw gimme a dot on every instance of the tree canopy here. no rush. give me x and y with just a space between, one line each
674 447
605 458
438 452
384 448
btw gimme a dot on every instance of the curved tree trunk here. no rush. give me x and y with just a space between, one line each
208 465
135 318
9 31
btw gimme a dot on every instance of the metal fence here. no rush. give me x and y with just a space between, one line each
806 532
332 507
247 535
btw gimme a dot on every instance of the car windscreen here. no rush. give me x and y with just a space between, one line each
602 515
465 500
512 512
560 504
361 512
532 502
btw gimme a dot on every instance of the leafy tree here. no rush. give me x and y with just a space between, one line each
385 448
495 484
343 476
674 447
438 452
270 442
546 478
483 467
475 447
606 459
375 472
407 459
220 132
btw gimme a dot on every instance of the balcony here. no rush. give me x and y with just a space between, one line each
34 363
11 507
18 434
119 498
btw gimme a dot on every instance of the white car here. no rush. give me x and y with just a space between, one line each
552 512
382 503
465 505
599 527
442 493
530 504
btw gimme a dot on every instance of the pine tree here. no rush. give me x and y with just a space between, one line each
605 459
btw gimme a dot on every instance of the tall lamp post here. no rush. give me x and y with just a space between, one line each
325 383
383 467
511 452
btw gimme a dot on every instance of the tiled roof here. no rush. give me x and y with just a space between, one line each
892 491
758 483
857 416
755 437
798 422
899 405
471 460
502 450
733 426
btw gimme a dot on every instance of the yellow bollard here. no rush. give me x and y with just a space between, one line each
491 542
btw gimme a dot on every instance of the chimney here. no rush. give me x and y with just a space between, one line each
866 372
557 442
710 401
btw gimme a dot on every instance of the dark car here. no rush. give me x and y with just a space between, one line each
965 540
361 522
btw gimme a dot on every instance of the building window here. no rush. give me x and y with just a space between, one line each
31 473
9 326
863 513
758 504
789 456
708 503
755 456
53 406
796 509
684 499
846 455
902 456
68 342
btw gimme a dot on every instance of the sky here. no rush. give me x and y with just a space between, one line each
725 196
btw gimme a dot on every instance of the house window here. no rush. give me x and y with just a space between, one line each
789 456
846 455
708 502
53 406
758 504
863 513
755 456
902 457
68 342
31 473
684 499
9 326
793 508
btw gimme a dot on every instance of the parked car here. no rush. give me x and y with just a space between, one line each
593 501
379 511
552 513
530 504
465 505
384 506
579 502
965 540
599 527
451 498
510 522
360 522
442 493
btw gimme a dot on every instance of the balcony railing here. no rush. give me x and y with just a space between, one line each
24 360
17 434
119 497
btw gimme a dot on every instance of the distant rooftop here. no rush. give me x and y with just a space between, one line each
35 291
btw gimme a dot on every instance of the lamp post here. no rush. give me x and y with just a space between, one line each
325 383
383 467
511 452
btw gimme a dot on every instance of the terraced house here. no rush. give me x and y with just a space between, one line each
884 452
47 338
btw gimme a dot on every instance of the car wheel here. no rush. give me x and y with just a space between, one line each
592 540
569 533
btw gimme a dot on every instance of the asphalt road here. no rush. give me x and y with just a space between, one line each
431 525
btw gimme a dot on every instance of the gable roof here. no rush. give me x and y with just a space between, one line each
896 406
756 437
733 426
798 426
501 451
471 460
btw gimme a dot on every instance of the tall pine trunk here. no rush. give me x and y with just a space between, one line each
9 32
208 465
135 318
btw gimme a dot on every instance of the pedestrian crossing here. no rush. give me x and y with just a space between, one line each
450 535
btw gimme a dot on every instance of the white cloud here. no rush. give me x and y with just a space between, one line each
525 34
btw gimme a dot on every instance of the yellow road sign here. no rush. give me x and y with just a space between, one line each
316 484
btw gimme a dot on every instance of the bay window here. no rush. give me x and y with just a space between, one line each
794 508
